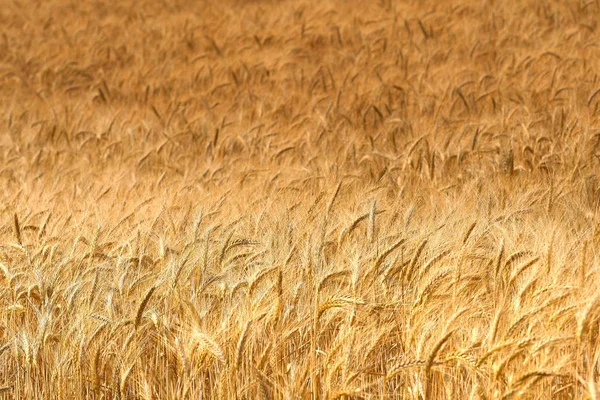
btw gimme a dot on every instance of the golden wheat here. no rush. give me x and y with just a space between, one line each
299 199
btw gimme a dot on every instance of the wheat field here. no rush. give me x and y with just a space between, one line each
299 199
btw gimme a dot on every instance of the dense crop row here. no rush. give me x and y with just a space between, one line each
313 199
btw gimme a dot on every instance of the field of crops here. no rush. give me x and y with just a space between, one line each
313 199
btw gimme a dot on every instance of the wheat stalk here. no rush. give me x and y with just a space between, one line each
142 307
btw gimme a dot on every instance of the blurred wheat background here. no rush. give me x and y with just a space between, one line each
299 199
